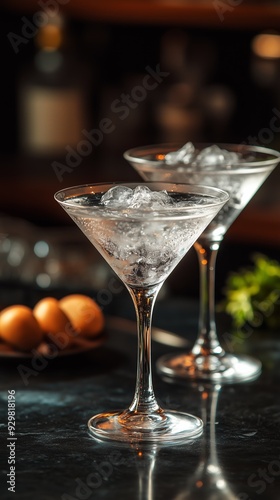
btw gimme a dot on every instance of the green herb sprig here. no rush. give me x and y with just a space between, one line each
252 295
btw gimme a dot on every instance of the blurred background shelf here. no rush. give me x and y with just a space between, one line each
218 80
258 225
200 13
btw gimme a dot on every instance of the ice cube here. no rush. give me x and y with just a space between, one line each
213 155
207 157
183 155
162 198
140 197
144 197
117 196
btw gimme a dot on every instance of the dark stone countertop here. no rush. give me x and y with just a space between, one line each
237 457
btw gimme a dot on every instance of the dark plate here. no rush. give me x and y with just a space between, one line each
47 349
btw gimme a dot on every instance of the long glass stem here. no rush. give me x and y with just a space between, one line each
144 400
207 342
144 420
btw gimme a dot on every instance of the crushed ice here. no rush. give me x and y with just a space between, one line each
117 196
213 155
207 157
139 197
184 155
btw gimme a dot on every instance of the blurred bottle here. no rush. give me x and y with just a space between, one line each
53 93
177 114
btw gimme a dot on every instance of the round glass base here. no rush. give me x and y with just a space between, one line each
221 369
168 427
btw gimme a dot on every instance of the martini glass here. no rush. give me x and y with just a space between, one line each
142 231
241 173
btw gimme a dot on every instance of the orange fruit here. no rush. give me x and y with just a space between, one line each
84 313
19 328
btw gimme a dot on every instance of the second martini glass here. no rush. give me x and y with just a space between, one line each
240 170
142 231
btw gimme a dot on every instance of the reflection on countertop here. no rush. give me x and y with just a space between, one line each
238 454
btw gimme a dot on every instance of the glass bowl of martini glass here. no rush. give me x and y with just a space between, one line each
240 170
142 231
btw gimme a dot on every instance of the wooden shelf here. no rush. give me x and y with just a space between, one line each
218 14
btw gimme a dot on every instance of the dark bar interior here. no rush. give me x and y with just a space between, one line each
83 81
